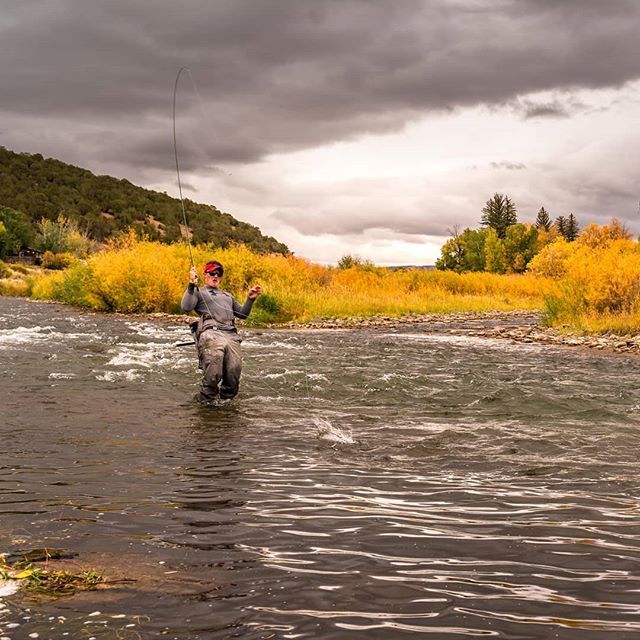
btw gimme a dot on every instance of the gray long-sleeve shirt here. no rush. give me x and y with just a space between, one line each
221 306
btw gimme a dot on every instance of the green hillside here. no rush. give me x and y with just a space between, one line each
101 205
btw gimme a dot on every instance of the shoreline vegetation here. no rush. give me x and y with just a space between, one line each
139 276
587 287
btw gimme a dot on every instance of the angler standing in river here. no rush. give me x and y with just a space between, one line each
215 332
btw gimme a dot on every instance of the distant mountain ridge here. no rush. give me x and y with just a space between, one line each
103 205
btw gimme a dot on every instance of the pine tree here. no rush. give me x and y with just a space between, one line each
561 225
572 229
498 213
543 221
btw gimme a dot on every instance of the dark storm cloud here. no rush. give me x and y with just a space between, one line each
280 75
598 200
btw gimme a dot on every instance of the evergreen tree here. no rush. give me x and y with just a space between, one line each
568 227
498 213
571 228
543 221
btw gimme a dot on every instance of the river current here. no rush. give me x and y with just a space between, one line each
364 484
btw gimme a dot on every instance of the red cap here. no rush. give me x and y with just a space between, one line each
214 266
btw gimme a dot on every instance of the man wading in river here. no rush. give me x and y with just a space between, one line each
215 332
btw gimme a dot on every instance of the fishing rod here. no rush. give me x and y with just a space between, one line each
184 212
175 153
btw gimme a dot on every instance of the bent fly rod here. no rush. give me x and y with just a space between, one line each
175 153
184 212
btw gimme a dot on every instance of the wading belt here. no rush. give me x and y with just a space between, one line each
199 327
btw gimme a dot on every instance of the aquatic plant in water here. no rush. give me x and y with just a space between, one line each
49 582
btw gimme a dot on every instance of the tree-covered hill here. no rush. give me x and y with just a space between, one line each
102 205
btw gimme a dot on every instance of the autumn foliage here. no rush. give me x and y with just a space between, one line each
598 279
591 284
137 276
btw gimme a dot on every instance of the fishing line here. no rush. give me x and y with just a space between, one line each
197 142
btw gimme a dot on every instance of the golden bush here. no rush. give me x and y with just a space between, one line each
600 285
551 262
600 237
57 261
134 276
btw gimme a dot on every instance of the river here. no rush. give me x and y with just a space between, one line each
364 484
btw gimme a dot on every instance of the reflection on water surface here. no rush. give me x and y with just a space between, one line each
363 484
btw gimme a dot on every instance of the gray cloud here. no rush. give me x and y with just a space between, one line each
599 199
363 209
544 109
510 166
281 75
348 222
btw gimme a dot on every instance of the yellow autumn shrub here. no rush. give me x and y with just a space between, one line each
58 261
551 261
601 236
600 287
134 276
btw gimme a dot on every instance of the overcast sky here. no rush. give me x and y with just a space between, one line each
369 127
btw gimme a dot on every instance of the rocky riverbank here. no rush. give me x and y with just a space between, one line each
517 326
547 335
373 322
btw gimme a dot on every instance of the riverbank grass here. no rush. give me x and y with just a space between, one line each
15 279
134 276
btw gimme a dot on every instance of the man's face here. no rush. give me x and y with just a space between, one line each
212 278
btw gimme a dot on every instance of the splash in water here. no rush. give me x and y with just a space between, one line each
7 588
331 433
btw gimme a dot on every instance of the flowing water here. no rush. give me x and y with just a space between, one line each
364 484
